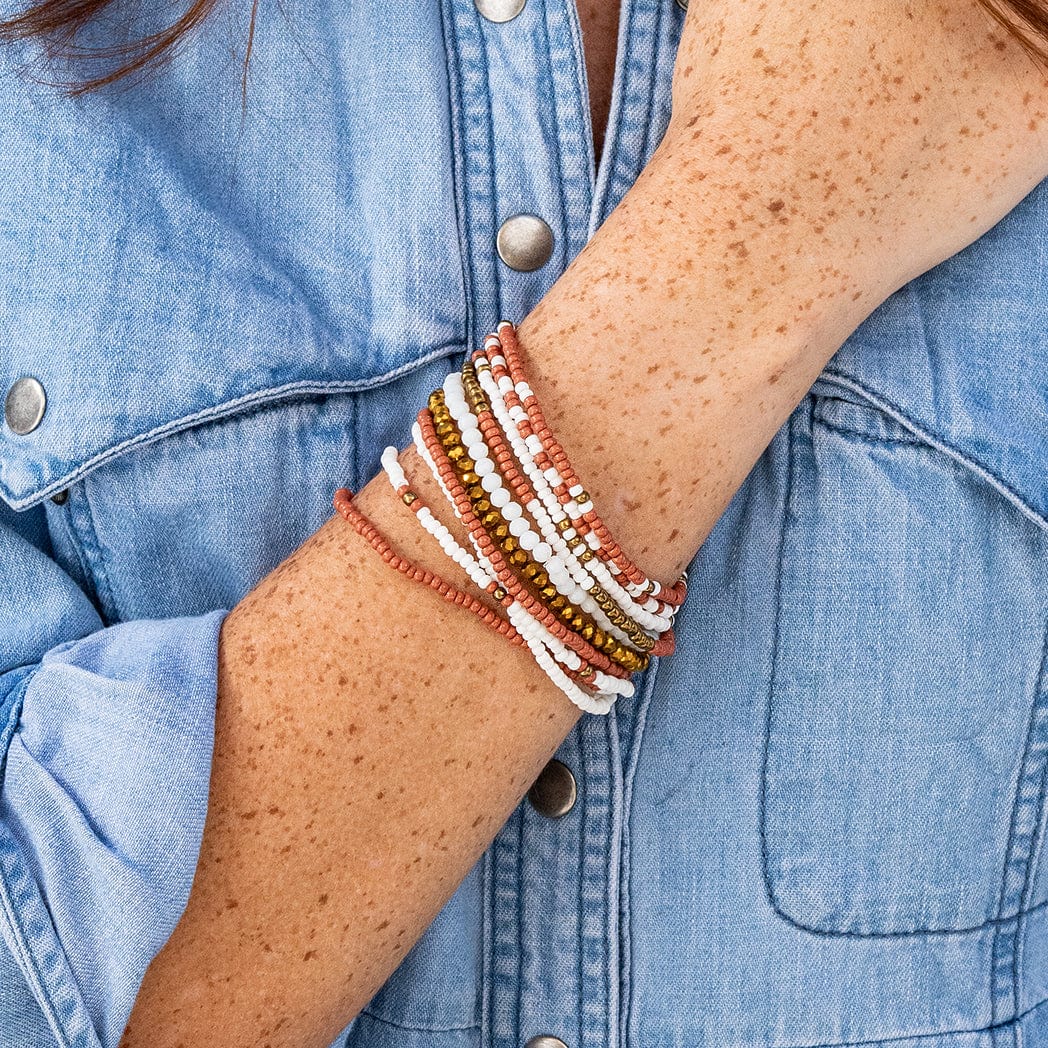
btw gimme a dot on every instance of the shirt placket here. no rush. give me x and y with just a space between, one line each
529 199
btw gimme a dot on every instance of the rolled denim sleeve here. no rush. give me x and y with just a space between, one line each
106 737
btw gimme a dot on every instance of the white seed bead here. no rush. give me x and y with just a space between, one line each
393 468
540 535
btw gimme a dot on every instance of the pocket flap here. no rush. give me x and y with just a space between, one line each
166 257
960 355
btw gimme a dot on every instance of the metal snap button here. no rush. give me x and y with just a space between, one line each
682 4
553 793
545 1041
524 242
24 405
500 10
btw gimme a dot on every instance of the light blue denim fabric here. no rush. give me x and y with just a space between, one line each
820 823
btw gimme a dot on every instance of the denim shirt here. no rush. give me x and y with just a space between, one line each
820 823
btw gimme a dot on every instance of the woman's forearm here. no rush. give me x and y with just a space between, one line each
371 739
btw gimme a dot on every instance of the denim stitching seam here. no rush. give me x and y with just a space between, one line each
1040 703
557 147
458 180
1002 954
83 520
626 920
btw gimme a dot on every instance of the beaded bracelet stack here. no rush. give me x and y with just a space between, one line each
558 581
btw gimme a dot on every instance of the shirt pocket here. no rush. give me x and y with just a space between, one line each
906 725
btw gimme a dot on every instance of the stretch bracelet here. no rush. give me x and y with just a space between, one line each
573 585
553 576
551 458
554 522
343 502
516 585
480 570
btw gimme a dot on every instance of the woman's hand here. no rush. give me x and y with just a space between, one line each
895 133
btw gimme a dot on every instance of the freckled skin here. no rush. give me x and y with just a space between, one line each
813 164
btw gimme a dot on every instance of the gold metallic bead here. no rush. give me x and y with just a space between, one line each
474 393
409 497
577 623
547 593
557 603
599 638
582 496
466 465
517 558
587 631
498 593
609 645
457 452
473 488
481 505
510 544
490 519
575 541
444 428
500 531
586 555
564 525
567 613
541 579
587 673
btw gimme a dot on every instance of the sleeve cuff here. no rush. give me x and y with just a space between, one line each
105 768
